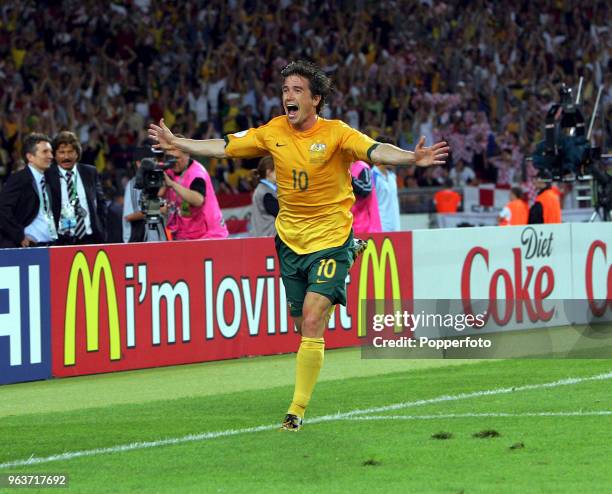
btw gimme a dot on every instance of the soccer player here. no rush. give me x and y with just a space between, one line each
314 244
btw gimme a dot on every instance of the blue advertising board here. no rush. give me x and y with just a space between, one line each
25 315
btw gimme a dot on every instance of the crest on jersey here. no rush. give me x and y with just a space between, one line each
242 133
317 152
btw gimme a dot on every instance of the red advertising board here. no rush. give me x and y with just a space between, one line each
592 267
120 307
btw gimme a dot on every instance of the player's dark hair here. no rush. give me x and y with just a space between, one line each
320 84
31 141
69 139
386 140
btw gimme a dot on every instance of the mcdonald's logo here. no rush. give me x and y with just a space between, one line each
91 297
380 265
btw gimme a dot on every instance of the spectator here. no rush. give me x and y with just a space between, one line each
238 177
505 168
230 120
246 119
462 175
93 150
265 200
221 172
122 153
488 173
407 177
198 104
502 82
270 100
427 178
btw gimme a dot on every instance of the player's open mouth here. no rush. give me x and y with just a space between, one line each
292 110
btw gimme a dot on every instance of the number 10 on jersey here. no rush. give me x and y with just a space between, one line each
300 180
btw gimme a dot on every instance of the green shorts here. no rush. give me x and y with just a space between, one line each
321 272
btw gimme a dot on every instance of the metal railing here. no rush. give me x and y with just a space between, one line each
418 199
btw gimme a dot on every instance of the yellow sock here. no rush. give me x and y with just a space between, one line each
308 364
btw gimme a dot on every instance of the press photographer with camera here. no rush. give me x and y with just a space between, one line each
194 211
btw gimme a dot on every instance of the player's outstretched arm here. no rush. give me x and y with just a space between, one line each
166 140
388 154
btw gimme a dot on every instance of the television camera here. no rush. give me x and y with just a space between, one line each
150 179
566 153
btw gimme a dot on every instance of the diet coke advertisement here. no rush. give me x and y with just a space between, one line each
510 278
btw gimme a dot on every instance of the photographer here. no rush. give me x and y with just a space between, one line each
194 209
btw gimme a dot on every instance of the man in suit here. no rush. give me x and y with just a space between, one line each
78 202
25 204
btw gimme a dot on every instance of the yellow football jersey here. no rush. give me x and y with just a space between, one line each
315 194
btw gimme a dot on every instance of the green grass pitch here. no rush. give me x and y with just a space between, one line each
543 432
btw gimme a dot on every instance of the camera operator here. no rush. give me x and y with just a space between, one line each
194 209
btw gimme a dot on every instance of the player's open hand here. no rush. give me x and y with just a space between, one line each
162 135
428 156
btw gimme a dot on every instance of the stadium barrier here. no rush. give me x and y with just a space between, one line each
121 307
489 218
70 311
25 330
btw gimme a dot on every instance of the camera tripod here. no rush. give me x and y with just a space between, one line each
601 208
154 222
154 229
601 189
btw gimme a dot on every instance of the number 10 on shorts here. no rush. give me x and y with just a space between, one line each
327 268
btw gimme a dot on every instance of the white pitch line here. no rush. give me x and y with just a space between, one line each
461 396
484 415
70 455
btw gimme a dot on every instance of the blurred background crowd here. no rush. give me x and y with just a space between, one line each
479 74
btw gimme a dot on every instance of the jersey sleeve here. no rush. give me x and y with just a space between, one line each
356 144
245 144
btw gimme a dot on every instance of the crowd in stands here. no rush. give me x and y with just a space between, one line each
480 74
